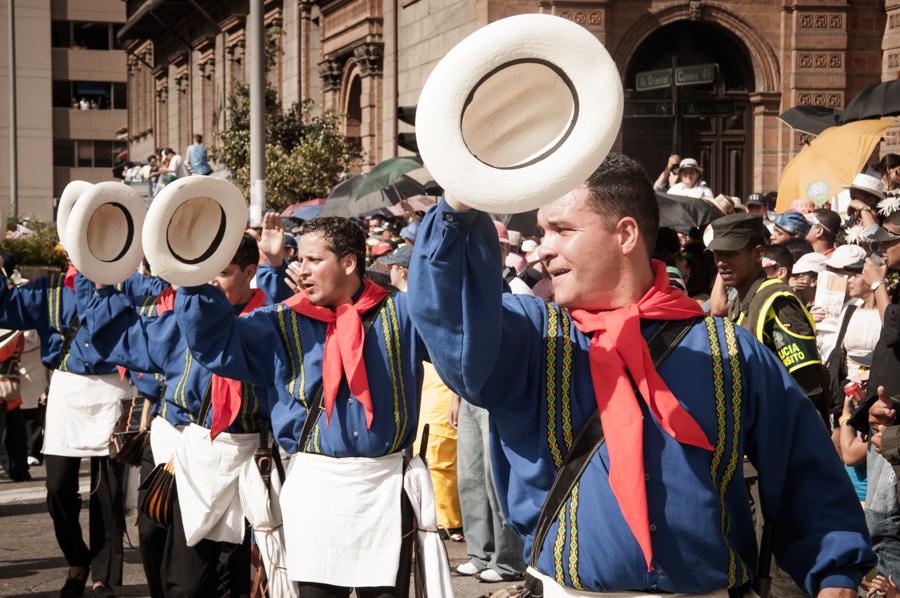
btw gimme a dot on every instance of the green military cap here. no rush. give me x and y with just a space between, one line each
736 231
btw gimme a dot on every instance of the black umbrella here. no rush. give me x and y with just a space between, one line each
402 188
678 211
524 222
338 201
875 101
810 119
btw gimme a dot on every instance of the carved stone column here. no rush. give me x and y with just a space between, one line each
767 159
370 58
890 66
330 72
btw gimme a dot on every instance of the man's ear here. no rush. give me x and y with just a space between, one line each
758 253
250 271
348 263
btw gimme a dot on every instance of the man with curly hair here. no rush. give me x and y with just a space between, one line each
346 363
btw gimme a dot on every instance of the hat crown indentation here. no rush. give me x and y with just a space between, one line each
196 230
519 113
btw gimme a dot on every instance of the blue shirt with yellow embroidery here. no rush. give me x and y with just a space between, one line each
50 307
137 338
527 363
276 345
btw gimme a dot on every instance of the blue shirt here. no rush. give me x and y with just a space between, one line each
271 281
196 155
50 307
153 344
528 364
276 345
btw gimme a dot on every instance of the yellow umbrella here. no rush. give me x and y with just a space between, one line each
829 162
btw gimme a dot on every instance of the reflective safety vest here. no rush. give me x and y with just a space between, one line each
793 349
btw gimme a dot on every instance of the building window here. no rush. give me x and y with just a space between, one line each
89 95
86 153
63 152
84 35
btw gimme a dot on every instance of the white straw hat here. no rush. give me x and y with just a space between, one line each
193 229
103 233
68 198
519 113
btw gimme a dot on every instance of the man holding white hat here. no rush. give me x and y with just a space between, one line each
632 406
208 525
689 181
83 405
343 354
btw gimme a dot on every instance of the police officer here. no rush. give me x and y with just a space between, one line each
767 306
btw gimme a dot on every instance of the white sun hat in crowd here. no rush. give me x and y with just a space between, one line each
103 232
193 229
869 184
809 263
69 196
519 113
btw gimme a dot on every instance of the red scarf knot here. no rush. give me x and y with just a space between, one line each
69 280
617 347
344 337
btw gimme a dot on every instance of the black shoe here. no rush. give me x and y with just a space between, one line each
103 591
75 585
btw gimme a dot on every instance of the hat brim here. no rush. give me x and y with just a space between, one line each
555 163
726 243
883 235
193 229
877 194
67 199
103 233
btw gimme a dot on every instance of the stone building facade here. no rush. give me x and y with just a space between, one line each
365 58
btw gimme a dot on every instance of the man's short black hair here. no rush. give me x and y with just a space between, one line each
798 247
780 255
830 221
619 188
247 253
343 238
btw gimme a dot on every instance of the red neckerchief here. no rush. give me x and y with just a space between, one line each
617 345
226 394
344 338
69 280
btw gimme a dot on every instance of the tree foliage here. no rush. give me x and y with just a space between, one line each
306 153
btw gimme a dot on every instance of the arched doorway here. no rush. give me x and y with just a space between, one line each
353 111
715 120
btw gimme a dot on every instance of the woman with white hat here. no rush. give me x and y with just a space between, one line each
689 182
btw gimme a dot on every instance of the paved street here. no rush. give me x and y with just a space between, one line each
32 565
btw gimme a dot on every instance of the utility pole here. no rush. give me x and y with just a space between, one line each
256 55
676 111
13 128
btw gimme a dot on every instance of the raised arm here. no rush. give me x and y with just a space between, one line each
119 334
820 532
27 307
240 348
457 306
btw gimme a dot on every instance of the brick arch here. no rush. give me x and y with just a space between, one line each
763 58
350 75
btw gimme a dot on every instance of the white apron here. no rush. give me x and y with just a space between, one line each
206 476
342 519
163 439
554 590
419 489
82 411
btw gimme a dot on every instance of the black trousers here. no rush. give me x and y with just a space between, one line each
151 535
107 519
404 569
16 442
34 430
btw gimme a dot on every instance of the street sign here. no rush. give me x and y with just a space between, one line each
699 74
640 109
658 79
707 108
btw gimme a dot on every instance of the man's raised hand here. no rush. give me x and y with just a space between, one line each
271 242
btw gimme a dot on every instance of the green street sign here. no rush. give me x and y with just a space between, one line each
707 108
699 74
658 79
640 109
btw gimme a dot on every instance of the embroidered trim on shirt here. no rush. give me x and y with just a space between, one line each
398 355
392 367
182 383
721 484
297 370
573 539
552 332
